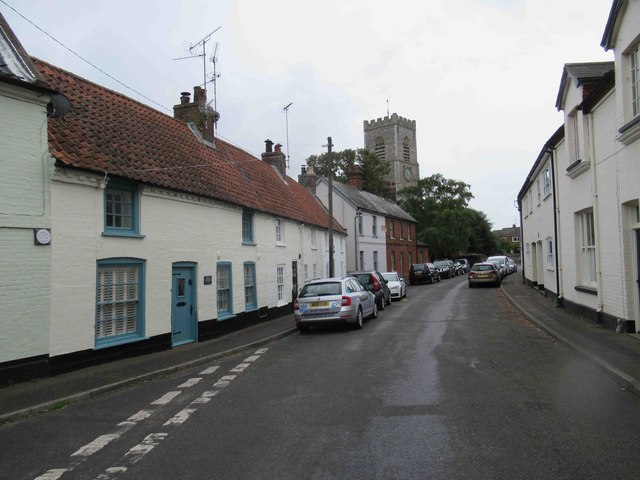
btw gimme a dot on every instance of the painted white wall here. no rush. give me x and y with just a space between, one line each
538 226
176 228
24 205
345 214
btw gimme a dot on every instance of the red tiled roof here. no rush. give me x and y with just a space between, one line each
109 132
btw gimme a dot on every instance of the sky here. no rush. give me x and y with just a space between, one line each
479 77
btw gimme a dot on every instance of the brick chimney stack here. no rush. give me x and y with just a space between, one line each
275 158
354 176
197 112
308 178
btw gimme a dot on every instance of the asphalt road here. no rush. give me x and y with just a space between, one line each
451 383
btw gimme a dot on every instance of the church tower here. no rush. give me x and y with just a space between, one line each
393 138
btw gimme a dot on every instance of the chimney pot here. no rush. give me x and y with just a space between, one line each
184 98
268 146
278 148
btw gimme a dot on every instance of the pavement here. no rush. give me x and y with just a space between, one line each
617 354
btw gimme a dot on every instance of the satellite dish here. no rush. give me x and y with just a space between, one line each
59 106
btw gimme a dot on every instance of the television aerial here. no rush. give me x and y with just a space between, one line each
201 48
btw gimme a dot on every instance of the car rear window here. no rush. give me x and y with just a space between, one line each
321 289
481 268
364 278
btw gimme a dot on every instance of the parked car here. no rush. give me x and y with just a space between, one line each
465 264
435 273
446 268
501 260
458 268
375 283
334 300
396 284
423 273
484 273
513 266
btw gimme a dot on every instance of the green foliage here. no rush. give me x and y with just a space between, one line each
374 170
445 222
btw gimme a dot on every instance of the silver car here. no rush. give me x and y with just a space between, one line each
334 300
396 284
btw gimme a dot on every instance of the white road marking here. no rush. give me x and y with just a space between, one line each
206 397
52 474
190 383
180 417
224 381
97 445
240 368
135 418
136 453
166 398
209 371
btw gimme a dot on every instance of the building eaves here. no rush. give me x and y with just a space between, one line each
111 134
608 37
586 75
15 63
370 202
549 145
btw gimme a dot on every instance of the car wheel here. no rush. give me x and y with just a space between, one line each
404 295
375 311
389 300
471 285
381 303
303 328
359 320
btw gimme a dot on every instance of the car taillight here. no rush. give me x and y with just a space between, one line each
296 306
346 301
471 275
376 284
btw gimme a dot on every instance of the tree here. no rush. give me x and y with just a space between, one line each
445 222
374 170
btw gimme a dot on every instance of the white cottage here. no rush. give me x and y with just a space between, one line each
595 178
161 233
25 211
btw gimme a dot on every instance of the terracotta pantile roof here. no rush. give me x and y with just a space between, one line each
107 132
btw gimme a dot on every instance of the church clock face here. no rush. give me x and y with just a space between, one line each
407 174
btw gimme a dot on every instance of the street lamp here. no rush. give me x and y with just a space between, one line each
355 232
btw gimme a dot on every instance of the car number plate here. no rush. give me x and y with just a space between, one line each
318 304
482 275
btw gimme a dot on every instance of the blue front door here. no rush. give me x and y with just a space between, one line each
183 309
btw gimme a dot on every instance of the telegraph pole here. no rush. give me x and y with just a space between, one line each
330 162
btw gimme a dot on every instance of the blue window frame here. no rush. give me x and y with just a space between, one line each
247 227
121 208
224 291
250 294
119 301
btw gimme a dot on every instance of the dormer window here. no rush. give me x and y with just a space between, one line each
121 209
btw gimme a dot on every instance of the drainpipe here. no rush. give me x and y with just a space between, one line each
556 229
522 244
596 217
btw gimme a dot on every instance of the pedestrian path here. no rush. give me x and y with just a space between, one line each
617 354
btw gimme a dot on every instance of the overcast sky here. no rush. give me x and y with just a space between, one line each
480 77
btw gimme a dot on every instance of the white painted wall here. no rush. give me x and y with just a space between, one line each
24 205
345 212
176 228
538 226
